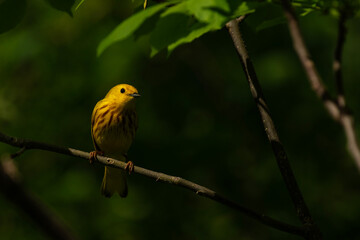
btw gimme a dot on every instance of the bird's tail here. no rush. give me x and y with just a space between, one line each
114 181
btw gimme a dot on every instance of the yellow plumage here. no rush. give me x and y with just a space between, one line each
113 127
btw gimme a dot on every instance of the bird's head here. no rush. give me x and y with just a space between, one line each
124 95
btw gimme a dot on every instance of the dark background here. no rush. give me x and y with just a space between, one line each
197 120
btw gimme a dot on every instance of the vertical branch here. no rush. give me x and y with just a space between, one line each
14 192
282 160
346 118
308 64
336 108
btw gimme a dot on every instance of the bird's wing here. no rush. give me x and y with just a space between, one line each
96 146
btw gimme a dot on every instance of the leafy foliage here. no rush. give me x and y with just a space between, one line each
128 27
178 22
174 23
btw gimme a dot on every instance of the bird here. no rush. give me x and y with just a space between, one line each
114 123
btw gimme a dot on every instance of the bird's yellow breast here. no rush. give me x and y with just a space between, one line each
113 129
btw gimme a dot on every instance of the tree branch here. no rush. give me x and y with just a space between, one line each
309 66
160 177
302 211
14 191
336 108
346 119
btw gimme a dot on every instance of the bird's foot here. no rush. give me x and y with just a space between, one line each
129 167
93 156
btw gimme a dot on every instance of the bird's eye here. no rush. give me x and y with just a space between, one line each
122 90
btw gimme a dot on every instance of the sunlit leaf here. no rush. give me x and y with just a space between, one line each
245 8
213 12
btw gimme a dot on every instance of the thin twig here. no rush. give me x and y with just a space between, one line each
278 149
47 221
159 177
336 108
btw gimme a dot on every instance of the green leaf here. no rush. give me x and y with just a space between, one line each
244 8
168 30
210 15
173 23
62 5
11 14
213 12
129 26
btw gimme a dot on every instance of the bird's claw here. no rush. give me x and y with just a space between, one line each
129 167
93 156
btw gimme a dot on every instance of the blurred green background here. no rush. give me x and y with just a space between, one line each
197 120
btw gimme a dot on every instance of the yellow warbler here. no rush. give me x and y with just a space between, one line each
113 127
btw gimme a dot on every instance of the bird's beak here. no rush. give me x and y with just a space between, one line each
135 95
